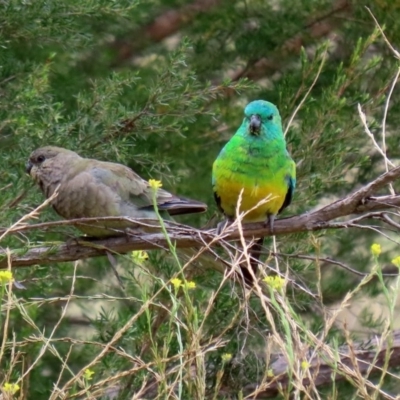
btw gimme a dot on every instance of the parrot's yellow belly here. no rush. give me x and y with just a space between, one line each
271 195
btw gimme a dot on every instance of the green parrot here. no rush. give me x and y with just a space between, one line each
91 188
255 162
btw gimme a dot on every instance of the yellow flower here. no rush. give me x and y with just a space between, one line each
87 374
270 373
274 282
376 249
139 256
6 276
176 282
305 365
190 285
226 357
11 388
155 184
396 261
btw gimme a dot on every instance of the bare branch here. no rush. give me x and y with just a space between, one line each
359 202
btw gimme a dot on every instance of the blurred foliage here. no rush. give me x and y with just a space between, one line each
97 77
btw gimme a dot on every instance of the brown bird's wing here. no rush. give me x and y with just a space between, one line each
135 190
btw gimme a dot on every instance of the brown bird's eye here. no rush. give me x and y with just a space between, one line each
41 159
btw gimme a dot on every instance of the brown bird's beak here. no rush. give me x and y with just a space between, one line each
28 167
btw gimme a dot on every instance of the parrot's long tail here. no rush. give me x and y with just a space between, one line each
255 254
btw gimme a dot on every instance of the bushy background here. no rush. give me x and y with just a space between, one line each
161 86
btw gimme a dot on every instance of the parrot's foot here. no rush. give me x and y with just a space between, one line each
270 222
223 225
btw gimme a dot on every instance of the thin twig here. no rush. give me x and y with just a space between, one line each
308 91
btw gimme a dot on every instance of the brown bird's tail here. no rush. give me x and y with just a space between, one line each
181 205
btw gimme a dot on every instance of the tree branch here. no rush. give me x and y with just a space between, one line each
359 202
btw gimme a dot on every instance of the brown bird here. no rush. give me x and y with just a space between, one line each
89 188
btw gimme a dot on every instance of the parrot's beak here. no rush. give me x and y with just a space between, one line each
255 123
28 167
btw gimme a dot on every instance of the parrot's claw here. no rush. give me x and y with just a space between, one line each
270 221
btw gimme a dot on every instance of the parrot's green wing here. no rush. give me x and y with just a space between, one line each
291 181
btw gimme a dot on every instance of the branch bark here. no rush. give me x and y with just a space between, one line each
360 202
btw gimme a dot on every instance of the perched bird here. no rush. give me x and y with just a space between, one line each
91 188
255 162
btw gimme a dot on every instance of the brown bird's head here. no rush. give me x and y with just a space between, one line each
45 160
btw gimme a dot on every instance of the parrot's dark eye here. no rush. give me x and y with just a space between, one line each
270 117
40 159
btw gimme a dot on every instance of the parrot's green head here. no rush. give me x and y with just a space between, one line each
262 117
42 160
